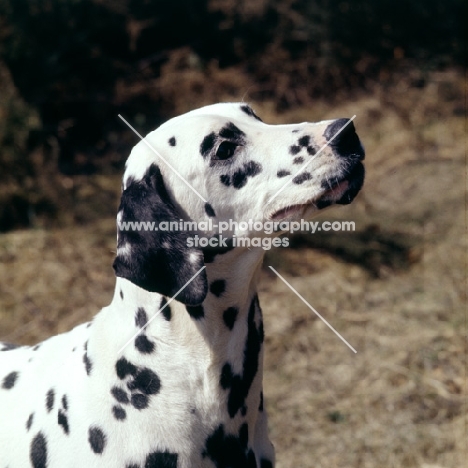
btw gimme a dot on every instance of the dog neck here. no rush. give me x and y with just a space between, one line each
232 284
216 346
206 361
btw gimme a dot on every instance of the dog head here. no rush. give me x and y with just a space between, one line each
221 163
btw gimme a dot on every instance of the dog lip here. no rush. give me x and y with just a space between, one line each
342 192
346 188
337 190
288 211
335 193
356 180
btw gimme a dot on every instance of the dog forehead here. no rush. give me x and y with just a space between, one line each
193 126
211 118
238 110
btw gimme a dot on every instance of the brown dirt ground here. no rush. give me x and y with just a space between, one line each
401 400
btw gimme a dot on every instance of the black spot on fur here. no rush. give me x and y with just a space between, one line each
166 312
225 179
139 401
240 177
207 144
249 111
143 344
298 160
161 460
141 318
36 347
50 397
29 421
63 421
244 435
124 368
121 294
209 210
250 169
228 450
233 133
217 287
8 346
229 316
145 381
294 149
260 406
172 141
120 395
251 460
151 265
62 416
264 463
302 177
119 413
304 141
10 380
226 376
87 362
196 312
282 173
38 451
239 385
96 439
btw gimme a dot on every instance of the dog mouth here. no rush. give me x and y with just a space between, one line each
288 211
341 192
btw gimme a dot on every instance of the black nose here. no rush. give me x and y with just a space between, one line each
343 139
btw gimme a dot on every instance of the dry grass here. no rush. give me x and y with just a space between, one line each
401 400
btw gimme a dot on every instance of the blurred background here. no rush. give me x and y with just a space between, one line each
395 288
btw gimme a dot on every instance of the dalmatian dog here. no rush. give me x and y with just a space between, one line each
169 375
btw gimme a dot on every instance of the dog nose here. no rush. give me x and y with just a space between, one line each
343 139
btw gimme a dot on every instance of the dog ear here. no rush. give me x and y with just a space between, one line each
156 260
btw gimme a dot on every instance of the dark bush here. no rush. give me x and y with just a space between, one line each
75 64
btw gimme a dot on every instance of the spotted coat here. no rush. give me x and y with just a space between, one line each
186 392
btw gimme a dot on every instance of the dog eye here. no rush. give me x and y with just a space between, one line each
226 150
